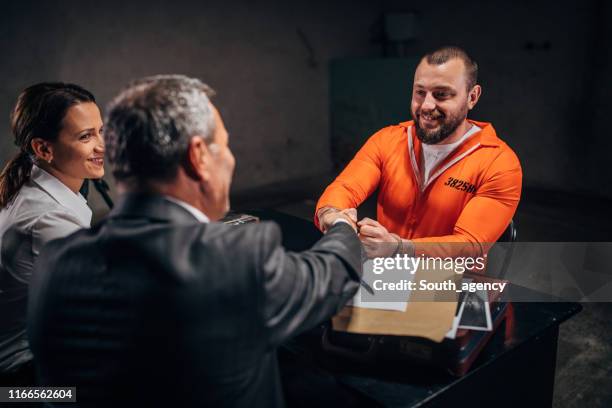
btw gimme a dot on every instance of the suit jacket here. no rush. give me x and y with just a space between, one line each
152 308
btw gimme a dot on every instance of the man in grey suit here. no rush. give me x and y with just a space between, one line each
158 305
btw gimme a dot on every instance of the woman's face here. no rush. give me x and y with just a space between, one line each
78 152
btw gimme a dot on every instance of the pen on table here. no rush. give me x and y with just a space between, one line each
367 287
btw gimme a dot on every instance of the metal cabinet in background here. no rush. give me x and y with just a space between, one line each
366 94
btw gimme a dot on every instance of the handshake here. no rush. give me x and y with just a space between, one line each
377 241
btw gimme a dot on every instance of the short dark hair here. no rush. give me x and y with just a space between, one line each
149 125
447 53
38 113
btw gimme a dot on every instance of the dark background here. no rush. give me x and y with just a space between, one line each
545 70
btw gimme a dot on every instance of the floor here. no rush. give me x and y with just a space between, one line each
584 357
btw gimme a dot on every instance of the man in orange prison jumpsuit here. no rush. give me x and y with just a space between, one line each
447 184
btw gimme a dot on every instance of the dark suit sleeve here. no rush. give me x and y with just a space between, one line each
300 290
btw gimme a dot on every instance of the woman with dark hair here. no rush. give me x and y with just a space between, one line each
58 129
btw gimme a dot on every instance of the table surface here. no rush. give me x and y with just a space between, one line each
412 388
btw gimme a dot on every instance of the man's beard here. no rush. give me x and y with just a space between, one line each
448 125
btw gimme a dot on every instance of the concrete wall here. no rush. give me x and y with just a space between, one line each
271 90
545 78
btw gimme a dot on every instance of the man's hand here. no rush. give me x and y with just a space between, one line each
351 213
377 241
328 216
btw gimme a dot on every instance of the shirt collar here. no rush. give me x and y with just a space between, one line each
199 215
452 146
67 198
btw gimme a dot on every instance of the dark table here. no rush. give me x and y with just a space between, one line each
516 368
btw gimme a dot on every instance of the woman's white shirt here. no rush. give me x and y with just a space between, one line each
43 210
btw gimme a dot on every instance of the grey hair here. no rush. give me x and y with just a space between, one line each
150 123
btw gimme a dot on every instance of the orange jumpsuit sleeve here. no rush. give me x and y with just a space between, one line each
486 215
359 178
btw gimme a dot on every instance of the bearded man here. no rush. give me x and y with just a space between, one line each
447 184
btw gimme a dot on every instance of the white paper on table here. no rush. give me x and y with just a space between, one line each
453 330
383 304
396 306
452 333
